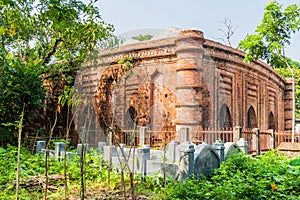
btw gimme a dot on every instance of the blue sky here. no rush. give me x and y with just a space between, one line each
207 16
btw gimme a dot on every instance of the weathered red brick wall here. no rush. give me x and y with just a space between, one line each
186 81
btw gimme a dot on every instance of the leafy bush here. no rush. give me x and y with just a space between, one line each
270 176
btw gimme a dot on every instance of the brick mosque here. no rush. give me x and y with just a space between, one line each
183 80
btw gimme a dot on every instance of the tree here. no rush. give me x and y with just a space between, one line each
41 41
228 31
20 84
141 37
272 37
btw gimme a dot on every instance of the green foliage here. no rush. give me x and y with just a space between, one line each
20 83
272 35
295 162
69 97
270 176
141 37
42 40
127 62
58 34
34 165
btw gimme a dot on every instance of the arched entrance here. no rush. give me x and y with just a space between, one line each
131 123
225 120
130 118
108 94
105 95
271 121
251 118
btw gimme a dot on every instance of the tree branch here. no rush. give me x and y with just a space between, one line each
51 53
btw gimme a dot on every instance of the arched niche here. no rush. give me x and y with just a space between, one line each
225 120
131 122
130 118
251 118
271 121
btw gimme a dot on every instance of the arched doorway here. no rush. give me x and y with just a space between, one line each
105 94
108 94
271 121
130 118
131 122
225 120
251 118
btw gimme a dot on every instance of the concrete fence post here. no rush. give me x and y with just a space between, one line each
219 148
40 145
272 146
257 136
143 154
191 162
172 150
237 133
143 135
243 144
184 134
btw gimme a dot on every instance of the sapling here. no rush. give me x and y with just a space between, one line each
47 155
20 124
70 99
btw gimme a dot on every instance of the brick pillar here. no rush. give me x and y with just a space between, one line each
189 51
288 104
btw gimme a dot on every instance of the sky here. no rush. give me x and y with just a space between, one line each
207 16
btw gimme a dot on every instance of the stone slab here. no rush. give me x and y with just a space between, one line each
290 148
